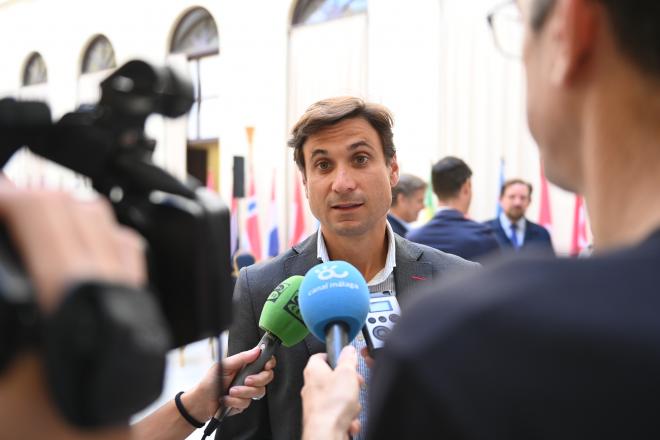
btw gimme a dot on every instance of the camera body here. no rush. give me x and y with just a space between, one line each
185 225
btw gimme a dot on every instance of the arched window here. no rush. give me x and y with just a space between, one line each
35 71
99 56
318 11
196 37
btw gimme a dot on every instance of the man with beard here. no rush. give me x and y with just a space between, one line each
512 229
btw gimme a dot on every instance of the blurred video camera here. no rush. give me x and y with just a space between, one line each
185 225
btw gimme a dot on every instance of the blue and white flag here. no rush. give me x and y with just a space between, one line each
498 209
273 230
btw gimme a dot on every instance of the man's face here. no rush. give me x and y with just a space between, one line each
347 180
408 207
515 201
551 105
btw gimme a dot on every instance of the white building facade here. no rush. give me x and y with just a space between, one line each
432 62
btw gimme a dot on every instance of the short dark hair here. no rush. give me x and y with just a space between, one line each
330 111
635 25
448 176
510 182
407 185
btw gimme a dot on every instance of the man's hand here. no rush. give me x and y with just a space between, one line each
204 400
364 352
330 397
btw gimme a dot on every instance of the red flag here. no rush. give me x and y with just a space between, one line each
579 241
210 180
545 215
252 222
298 229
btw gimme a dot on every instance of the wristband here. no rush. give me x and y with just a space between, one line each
182 409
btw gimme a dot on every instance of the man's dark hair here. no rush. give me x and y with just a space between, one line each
510 182
448 176
330 111
407 185
636 26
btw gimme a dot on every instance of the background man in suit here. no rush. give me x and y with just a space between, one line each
407 201
449 230
512 229
344 150
550 348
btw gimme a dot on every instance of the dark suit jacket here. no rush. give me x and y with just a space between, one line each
451 232
536 236
397 226
539 348
278 415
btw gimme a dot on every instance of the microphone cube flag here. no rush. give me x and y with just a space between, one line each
281 313
334 292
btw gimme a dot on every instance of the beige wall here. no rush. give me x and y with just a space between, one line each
432 62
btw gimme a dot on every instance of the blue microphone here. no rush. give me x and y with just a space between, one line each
334 303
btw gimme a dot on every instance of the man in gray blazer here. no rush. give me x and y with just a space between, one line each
345 153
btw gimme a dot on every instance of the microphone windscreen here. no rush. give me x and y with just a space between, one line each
281 313
334 292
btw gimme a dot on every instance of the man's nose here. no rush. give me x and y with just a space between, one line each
343 181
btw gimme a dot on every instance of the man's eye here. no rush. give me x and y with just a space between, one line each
323 165
361 160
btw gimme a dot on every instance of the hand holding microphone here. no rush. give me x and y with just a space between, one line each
334 302
330 397
281 320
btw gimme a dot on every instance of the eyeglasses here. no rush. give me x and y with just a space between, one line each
506 24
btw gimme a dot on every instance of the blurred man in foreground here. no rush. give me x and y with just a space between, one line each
547 348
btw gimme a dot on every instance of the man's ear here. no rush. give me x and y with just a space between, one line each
304 181
394 171
577 24
467 187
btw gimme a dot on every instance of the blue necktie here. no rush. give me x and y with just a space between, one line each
514 236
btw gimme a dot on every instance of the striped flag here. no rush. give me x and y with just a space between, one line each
545 215
579 240
498 208
298 225
273 234
252 222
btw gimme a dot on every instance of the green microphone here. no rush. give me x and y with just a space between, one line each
281 320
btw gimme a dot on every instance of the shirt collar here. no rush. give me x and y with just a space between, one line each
506 223
390 261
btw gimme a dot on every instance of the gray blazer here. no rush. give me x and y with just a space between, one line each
279 414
